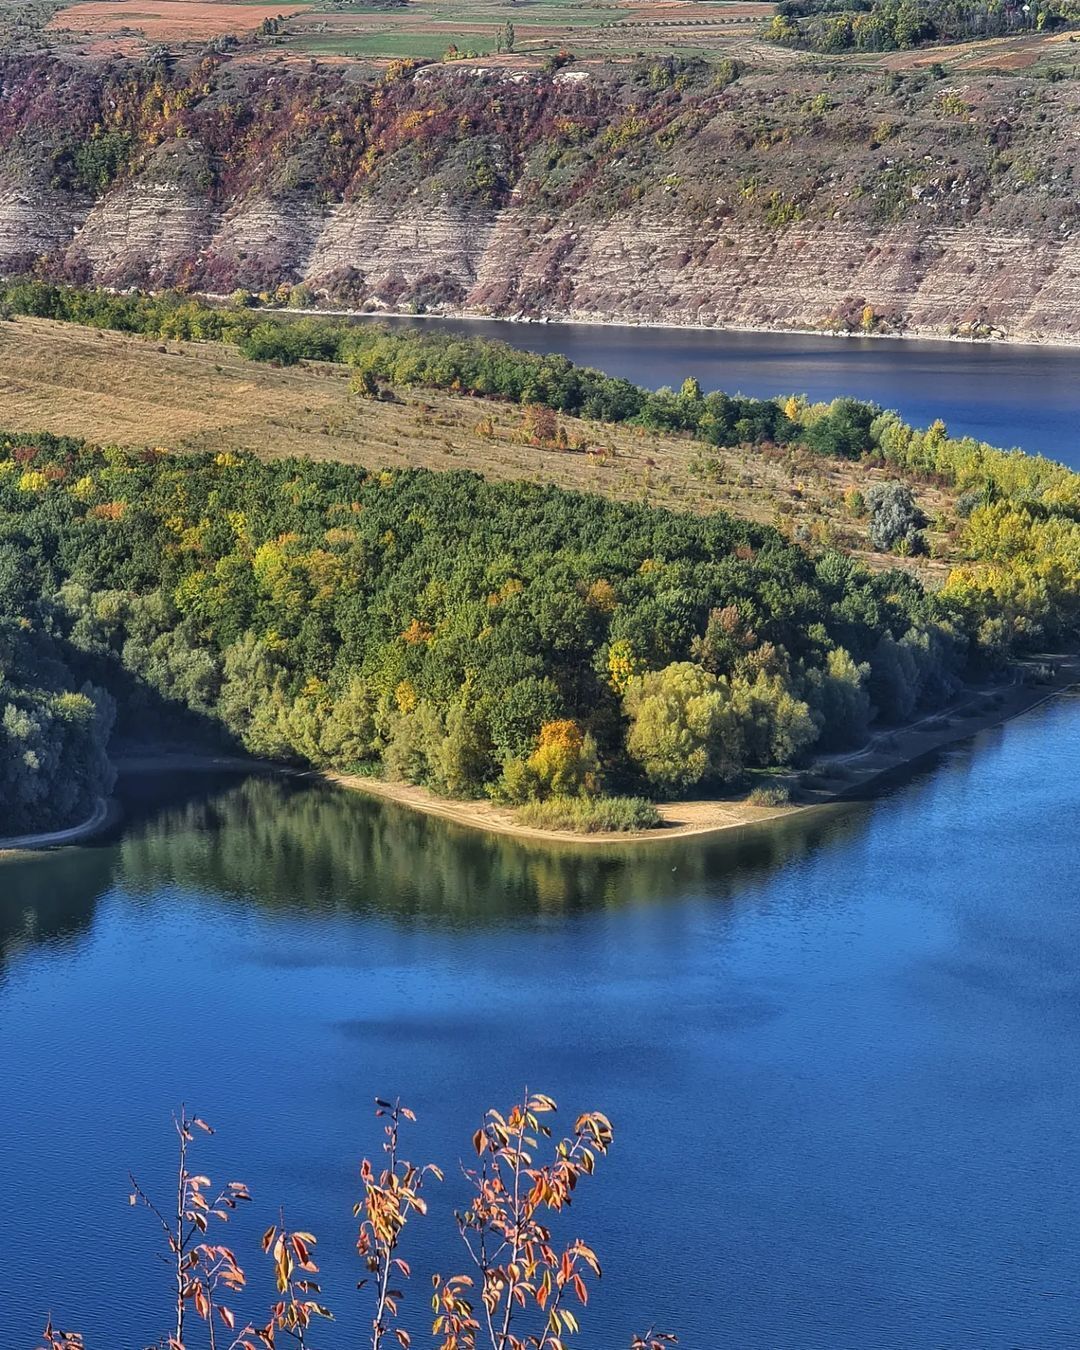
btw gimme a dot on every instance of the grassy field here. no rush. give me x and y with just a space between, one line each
120 390
604 28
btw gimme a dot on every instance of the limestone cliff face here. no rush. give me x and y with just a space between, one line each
35 222
501 262
403 255
926 280
143 232
760 203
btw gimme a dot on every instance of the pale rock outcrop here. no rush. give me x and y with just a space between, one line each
36 221
262 241
158 229
395 250
145 231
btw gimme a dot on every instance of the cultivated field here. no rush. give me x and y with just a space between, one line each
1026 52
120 390
162 21
604 28
373 34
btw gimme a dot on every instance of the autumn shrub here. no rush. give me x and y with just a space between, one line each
522 1288
565 760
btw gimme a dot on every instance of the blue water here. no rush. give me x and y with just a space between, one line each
1007 395
840 1053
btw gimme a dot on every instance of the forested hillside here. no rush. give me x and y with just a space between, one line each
470 636
509 639
1015 542
54 724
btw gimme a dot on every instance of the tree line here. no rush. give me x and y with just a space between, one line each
888 25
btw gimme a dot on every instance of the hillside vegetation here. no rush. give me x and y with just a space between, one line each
467 635
115 388
510 639
716 141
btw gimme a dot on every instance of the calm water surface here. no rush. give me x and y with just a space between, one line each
841 1055
1006 395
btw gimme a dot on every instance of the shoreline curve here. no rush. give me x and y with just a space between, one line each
829 780
104 814
590 320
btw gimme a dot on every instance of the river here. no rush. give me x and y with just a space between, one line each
840 1052
1008 395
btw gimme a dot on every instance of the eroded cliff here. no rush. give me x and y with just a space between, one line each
678 194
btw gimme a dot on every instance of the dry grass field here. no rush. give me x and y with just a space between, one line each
119 390
989 55
163 21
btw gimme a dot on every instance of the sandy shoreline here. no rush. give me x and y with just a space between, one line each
827 781
101 817
830 779
595 321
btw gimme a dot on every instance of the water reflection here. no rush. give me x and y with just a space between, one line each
291 846
295 847
868 1012
51 898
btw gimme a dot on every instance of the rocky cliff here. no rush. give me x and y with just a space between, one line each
670 194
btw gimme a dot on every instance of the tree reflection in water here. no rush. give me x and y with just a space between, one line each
310 846
289 846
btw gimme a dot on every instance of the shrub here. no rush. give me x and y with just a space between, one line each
586 815
514 1187
855 502
895 517
771 794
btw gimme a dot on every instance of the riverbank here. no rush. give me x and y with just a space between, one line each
104 814
828 780
996 338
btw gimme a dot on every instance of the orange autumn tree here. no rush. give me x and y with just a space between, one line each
294 1309
389 1199
522 1276
565 760
524 1291
201 1271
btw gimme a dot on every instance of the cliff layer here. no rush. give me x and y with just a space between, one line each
662 193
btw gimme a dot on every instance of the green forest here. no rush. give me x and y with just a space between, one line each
555 650
470 636
887 25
